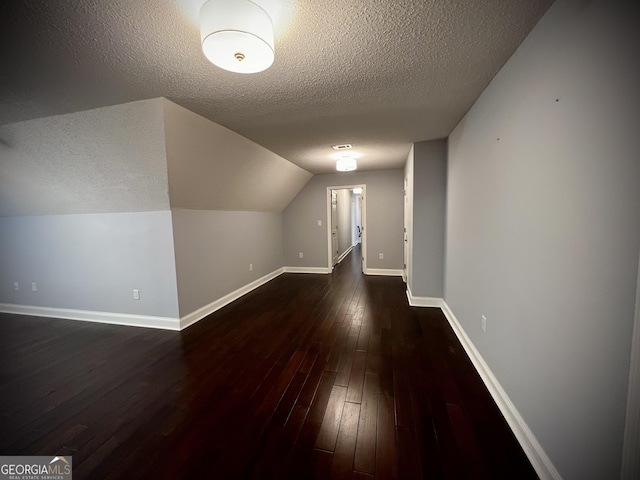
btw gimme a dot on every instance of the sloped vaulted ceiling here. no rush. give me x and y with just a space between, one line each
106 160
377 74
141 156
212 168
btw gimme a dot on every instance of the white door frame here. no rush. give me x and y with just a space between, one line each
363 219
334 227
631 446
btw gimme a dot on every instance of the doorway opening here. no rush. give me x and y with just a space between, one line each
346 223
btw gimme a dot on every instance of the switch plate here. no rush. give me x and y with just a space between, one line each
16 286
319 223
484 323
34 287
300 255
136 294
251 267
381 256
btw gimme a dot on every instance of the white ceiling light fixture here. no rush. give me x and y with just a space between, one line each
345 158
346 165
237 35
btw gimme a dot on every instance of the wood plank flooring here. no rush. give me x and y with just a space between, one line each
309 376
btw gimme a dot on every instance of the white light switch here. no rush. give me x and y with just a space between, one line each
381 256
136 294
300 255
16 286
34 287
319 223
251 267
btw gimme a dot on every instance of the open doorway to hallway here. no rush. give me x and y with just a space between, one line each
346 207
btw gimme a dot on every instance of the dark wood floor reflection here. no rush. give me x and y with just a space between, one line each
309 376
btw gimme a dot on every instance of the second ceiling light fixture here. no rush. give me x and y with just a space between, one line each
346 161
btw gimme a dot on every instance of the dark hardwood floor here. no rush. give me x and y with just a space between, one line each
309 376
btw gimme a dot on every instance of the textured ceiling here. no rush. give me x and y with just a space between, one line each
379 75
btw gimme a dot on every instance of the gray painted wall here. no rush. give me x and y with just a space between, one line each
214 168
543 229
110 159
136 157
65 185
383 219
429 212
344 220
213 250
90 262
227 193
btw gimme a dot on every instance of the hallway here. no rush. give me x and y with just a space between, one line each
308 376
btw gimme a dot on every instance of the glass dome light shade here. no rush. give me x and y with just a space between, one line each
346 164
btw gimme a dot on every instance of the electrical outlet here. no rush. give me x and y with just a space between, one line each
251 267
484 323
300 255
34 287
16 286
381 256
136 294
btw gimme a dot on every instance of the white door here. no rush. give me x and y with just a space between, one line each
361 226
631 445
334 226
406 221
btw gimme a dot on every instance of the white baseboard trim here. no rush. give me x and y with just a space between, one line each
323 270
537 456
199 314
165 323
423 301
386 272
131 320
346 252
